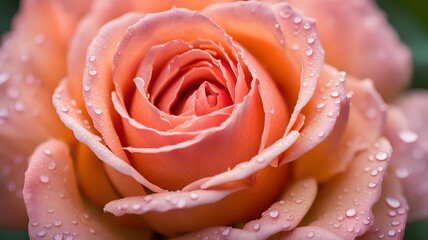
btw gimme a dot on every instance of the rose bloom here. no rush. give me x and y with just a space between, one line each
208 120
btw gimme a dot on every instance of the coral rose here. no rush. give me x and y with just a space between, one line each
198 119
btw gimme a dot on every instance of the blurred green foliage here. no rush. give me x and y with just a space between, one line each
409 17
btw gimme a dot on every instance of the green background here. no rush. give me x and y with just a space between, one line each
410 18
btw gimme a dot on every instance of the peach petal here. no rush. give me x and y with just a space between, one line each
54 206
326 117
92 178
163 202
128 179
310 233
390 212
358 39
255 164
25 91
263 29
406 129
344 204
367 112
287 213
281 216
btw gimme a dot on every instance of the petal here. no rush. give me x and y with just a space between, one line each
32 60
390 212
282 216
346 200
367 111
123 176
54 206
326 117
406 129
191 209
358 39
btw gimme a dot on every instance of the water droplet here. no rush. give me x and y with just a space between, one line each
392 202
321 105
64 109
136 206
401 173
285 13
408 136
321 134
44 179
41 233
297 19
366 221
381 156
181 203
372 184
277 26
310 234
86 87
274 213
330 114
306 26
57 223
271 110
92 231
309 52
391 233
395 223
225 231
51 165
311 40
4 77
93 72
334 93
91 58
194 195
256 226
98 111
19 106
351 212
58 236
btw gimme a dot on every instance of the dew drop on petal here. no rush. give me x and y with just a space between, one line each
98 111
274 213
408 136
297 19
309 52
351 212
194 195
392 202
91 58
41 233
44 179
310 235
401 173
93 72
381 156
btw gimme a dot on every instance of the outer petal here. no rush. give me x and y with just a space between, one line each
358 39
281 216
32 61
407 131
367 112
390 212
54 206
344 204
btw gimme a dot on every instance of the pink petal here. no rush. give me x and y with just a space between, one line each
26 115
53 203
326 117
358 39
406 129
390 212
367 112
123 176
344 204
281 216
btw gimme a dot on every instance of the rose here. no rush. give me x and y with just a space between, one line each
259 80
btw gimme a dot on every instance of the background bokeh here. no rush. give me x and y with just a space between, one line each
409 17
